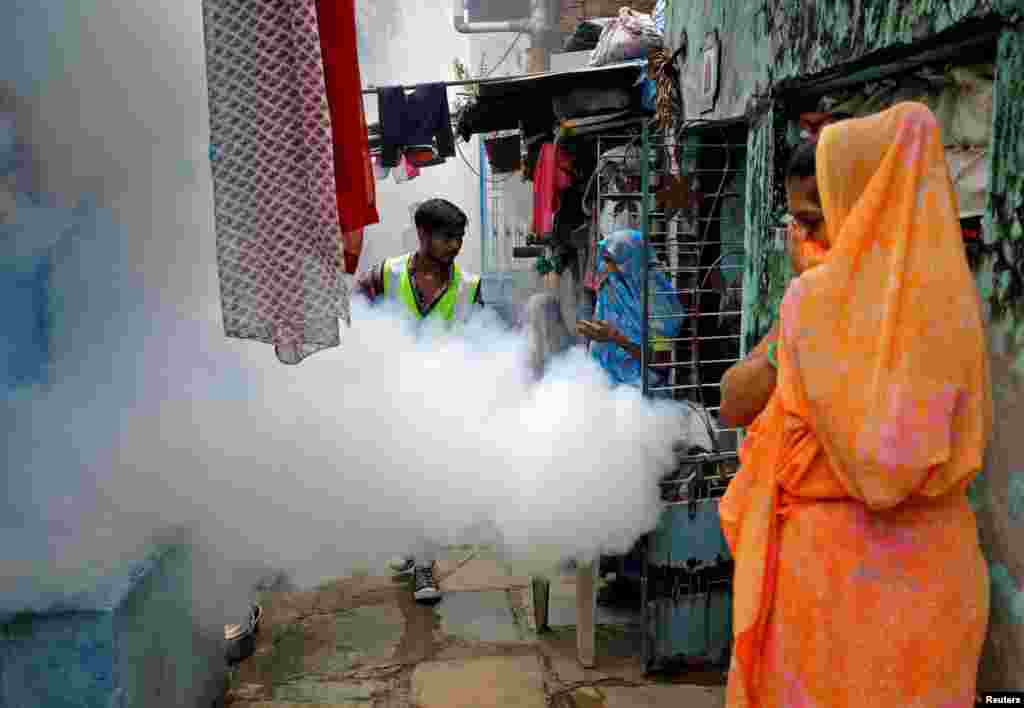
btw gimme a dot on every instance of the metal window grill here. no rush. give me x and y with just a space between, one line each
695 228
685 192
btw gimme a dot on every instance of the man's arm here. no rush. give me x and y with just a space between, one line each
748 384
370 283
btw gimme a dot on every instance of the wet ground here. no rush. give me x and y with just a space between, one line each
362 641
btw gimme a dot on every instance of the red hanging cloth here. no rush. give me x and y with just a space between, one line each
353 169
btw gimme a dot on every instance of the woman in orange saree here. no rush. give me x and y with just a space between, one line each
859 578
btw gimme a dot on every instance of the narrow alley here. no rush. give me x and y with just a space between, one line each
512 353
362 641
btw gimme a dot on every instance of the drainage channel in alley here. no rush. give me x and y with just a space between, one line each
362 641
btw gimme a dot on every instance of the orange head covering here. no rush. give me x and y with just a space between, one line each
886 338
882 360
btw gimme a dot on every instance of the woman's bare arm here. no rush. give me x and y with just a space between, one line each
601 331
748 384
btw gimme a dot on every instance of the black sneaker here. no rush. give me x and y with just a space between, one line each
424 586
402 565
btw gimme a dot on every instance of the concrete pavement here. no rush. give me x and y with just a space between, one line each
362 641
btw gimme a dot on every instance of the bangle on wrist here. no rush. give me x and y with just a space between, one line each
771 352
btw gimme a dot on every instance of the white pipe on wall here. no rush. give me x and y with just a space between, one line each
538 23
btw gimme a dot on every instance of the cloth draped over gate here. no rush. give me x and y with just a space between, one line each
552 176
279 174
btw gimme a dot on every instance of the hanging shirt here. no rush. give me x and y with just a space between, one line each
419 118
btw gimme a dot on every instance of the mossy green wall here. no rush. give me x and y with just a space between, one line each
999 493
771 41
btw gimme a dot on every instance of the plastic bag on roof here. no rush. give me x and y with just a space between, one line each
587 35
660 12
631 35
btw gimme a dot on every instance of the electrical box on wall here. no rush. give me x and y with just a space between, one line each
711 64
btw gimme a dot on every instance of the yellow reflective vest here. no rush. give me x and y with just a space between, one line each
454 306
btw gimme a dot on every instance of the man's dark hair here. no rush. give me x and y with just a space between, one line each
803 161
436 215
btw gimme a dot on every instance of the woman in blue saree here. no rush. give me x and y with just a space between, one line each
616 332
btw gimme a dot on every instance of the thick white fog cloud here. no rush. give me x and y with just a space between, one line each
154 419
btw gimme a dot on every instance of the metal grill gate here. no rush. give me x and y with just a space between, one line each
685 192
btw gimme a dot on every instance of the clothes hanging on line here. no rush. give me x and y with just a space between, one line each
415 119
405 171
276 196
552 176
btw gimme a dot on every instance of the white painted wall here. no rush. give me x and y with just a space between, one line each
514 205
407 43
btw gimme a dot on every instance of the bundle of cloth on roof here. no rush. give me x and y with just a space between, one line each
631 35
291 167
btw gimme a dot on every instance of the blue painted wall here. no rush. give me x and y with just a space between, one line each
128 642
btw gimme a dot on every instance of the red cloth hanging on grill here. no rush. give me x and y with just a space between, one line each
552 176
353 169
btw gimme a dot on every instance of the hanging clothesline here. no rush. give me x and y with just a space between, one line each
464 82
497 79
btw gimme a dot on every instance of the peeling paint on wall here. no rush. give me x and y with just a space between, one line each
1015 498
977 493
1000 491
1007 594
759 167
744 49
771 41
1003 284
813 35
766 273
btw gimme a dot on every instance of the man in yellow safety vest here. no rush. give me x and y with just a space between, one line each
428 284
430 288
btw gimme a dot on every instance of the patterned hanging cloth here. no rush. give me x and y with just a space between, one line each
275 195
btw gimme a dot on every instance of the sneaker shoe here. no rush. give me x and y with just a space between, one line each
424 586
402 565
